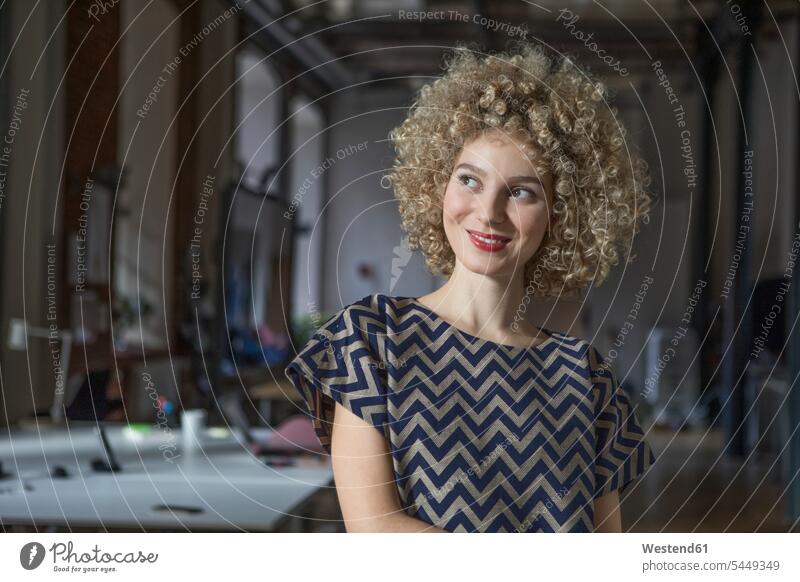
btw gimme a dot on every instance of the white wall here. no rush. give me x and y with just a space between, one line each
258 96
307 152
362 220
143 223
258 111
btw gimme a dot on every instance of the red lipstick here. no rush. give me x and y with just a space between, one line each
488 242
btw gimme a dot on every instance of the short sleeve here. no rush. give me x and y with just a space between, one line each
622 453
342 362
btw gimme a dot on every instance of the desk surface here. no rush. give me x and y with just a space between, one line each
222 486
281 389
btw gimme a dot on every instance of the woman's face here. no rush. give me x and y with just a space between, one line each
496 206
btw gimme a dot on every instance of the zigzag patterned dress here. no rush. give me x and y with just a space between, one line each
484 437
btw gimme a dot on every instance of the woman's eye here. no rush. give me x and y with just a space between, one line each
518 193
464 178
524 193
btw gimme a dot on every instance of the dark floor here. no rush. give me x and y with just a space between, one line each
695 487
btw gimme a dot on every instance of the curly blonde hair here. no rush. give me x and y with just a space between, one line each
599 183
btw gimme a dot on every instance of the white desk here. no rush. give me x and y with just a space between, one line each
222 487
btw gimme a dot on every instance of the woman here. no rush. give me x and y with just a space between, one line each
513 178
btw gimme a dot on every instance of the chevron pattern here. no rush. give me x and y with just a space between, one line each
484 437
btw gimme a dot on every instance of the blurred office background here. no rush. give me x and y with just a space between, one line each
189 187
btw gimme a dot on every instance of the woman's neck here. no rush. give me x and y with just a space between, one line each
491 306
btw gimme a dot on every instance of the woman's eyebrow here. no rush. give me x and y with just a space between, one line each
477 170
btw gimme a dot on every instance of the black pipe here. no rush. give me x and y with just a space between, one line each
709 66
793 338
737 316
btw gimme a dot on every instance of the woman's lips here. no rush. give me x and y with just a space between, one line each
488 242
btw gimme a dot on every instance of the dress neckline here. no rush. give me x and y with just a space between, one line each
473 338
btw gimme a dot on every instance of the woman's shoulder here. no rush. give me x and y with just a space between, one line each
357 328
366 315
578 348
583 356
378 312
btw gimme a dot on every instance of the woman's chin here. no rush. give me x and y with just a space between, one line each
492 267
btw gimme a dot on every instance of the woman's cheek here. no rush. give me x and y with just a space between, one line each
456 203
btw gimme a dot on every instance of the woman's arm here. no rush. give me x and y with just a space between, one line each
607 517
364 476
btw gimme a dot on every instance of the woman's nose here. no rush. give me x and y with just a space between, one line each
493 207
